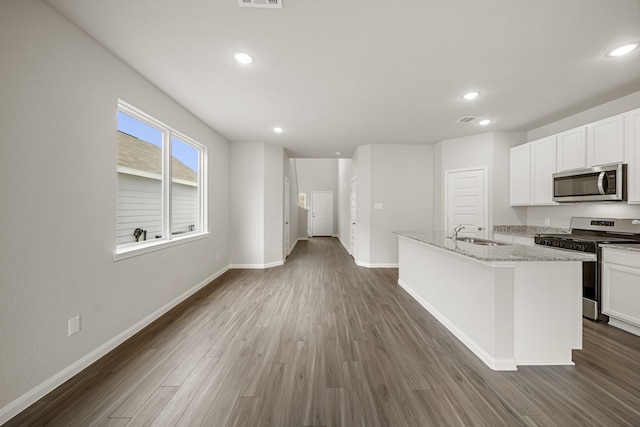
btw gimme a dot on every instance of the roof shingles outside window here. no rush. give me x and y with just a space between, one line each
136 154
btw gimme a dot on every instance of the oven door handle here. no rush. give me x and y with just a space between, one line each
601 182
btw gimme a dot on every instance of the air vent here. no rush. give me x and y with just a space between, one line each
271 4
466 119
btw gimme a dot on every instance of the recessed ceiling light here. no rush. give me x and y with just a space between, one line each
471 95
278 129
484 122
623 50
338 153
243 57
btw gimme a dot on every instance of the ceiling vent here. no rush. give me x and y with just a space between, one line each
466 119
271 4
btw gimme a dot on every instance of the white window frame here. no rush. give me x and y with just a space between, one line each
168 240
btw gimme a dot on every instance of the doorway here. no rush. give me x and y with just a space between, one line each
466 201
352 227
287 212
322 213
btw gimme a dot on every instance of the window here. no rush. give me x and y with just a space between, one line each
161 195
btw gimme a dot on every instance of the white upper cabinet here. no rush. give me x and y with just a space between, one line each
632 155
531 173
543 165
605 141
520 175
572 149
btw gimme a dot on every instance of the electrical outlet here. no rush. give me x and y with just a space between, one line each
547 221
218 255
74 325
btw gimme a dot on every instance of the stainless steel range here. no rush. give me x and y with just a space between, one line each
586 236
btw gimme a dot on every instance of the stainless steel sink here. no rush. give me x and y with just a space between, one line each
482 242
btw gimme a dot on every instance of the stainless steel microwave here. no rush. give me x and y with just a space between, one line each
600 183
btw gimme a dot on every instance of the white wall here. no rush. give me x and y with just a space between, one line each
247 204
289 172
345 173
319 175
273 204
400 177
402 182
257 185
612 108
59 92
362 172
487 149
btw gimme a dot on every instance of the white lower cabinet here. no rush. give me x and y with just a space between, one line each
504 238
621 288
513 238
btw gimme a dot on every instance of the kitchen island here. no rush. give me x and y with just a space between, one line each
509 304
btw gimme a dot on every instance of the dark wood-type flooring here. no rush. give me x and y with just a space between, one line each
322 342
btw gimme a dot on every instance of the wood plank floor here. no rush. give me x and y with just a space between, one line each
322 342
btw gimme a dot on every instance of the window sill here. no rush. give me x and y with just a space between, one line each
147 247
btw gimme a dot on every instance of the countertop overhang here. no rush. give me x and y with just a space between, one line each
500 253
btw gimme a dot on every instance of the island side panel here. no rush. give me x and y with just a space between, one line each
461 293
548 312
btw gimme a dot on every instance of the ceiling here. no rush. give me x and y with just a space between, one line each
338 74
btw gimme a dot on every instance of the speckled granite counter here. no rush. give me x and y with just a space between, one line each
630 248
528 230
501 253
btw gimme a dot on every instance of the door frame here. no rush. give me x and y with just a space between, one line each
353 243
286 230
485 174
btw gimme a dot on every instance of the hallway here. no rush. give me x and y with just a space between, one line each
322 342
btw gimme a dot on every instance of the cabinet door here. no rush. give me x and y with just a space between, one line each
500 237
572 149
523 240
621 291
605 141
543 165
520 175
632 154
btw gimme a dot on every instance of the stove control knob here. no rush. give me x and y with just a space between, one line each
561 244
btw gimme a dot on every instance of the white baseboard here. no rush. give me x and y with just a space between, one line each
376 265
32 396
344 245
295 242
497 364
256 266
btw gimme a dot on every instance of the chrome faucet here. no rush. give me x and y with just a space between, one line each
459 228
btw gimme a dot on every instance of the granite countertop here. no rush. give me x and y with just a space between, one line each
528 230
630 247
501 253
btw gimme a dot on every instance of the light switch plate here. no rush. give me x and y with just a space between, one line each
74 325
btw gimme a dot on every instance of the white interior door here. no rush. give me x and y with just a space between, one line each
352 227
466 201
287 209
322 213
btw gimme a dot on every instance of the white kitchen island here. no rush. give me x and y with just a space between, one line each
510 304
